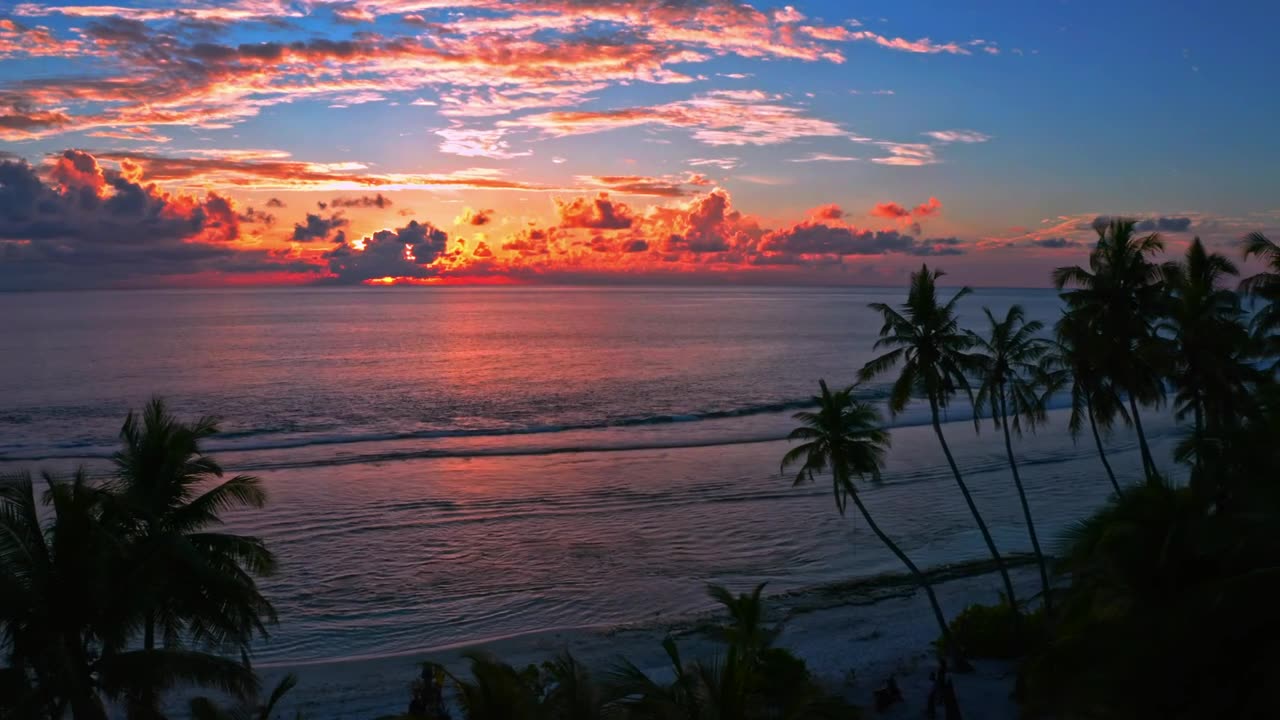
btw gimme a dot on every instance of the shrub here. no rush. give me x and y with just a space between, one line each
993 631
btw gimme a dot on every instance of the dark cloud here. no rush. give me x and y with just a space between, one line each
474 217
811 238
1155 224
598 213
318 227
1165 224
364 201
1055 243
275 203
404 252
257 217
938 246
89 226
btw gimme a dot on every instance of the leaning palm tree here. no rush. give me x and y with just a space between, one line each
1120 296
1074 360
194 582
927 341
846 437
1015 389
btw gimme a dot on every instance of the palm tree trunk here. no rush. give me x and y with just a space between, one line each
955 651
1148 465
1102 455
1026 508
973 508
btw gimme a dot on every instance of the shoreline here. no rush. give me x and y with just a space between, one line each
853 634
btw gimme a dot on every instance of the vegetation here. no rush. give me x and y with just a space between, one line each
116 592
750 679
933 351
846 436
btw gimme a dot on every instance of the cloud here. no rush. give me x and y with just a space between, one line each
817 238
317 227
821 157
827 212
1165 224
932 206
599 213
958 136
890 210
906 154
662 186
275 203
724 163
1056 243
1170 224
718 117
90 226
895 212
405 252
470 142
364 201
474 217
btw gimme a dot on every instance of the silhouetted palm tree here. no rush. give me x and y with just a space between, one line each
1264 286
66 618
751 680
202 708
193 583
846 437
1075 361
1120 296
927 341
1014 389
1210 347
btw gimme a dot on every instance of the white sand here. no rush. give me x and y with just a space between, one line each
852 639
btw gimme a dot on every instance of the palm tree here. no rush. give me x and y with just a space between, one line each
1264 286
1206 337
846 436
752 680
193 582
1074 360
65 620
927 341
202 708
1119 296
1008 362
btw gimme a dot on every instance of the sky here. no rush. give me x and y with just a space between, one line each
195 143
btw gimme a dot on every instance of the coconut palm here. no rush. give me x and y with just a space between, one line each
1074 360
927 341
195 583
1119 297
65 616
750 680
1014 389
1206 337
846 437
1264 286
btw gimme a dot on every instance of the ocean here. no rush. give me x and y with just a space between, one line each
449 465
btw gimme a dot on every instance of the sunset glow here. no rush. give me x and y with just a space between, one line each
269 142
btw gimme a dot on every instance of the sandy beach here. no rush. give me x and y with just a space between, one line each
853 636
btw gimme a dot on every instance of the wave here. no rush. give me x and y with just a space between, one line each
270 438
251 441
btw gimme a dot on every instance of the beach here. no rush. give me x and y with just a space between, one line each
853 637
458 487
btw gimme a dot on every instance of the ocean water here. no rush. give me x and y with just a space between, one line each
453 464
